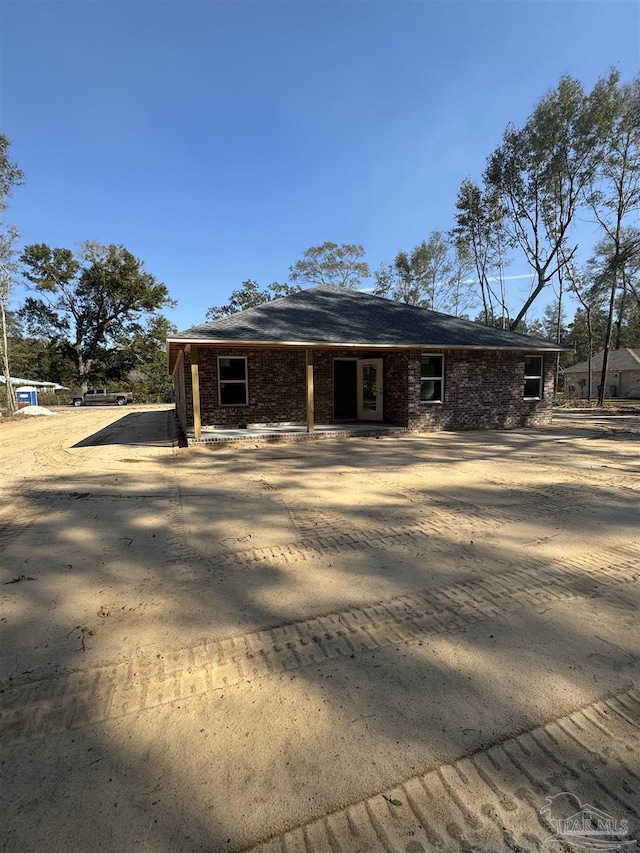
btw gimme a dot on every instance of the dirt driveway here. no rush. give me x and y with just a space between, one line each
391 644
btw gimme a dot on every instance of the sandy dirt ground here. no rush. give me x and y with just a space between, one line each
367 644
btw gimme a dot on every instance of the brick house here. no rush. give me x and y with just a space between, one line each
332 355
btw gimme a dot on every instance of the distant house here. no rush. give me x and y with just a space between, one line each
623 375
332 355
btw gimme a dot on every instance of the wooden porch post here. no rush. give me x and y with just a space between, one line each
310 411
195 391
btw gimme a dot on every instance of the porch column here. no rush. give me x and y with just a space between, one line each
195 391
310 412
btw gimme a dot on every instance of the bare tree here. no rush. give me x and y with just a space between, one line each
10 176
8 266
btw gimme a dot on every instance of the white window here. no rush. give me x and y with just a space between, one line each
431 378
533 377
232 381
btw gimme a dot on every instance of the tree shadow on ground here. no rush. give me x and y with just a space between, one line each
227 767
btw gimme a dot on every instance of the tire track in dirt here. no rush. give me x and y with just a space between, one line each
605 477
446 514
44 703
497 799
322 533
331 538
551 501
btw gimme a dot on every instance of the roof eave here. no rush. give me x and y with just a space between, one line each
364 345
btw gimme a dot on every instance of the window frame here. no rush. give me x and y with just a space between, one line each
439 378
539 376
244 381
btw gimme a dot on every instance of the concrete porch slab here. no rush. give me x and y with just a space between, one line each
293 433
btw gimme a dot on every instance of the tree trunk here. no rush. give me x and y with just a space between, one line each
607 337
542 281
485 306
558 330
83 372
85 366
12 403
618 323
590 347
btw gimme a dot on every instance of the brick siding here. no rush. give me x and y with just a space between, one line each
277 382
482 389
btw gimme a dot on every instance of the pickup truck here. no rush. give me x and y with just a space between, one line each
100 396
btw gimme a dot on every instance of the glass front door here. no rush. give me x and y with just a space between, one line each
370 389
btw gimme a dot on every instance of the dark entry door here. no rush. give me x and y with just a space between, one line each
345 389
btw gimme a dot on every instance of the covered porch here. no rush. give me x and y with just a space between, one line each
231 393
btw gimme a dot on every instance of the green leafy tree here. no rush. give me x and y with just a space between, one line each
140 358
496 321
249 295
398 281
587 329
92 301
614 195
480 234
10 176
586 332
40 358
429 265
615 272
598 324
540 173
325 264
552 326
627 305
433 275
330 263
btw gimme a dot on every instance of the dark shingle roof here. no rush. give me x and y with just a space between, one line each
619 359
330 315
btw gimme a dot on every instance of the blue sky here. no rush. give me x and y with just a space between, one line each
219 140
